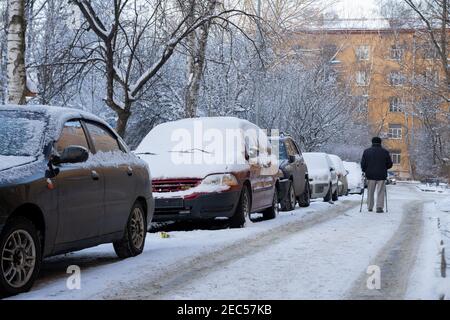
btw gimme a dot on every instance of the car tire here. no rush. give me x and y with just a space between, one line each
289 201
272 212
335 196
242 210
305 199
28 249
328 196
133 240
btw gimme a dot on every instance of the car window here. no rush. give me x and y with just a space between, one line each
71 135
283 152
296 149
290 148
103 140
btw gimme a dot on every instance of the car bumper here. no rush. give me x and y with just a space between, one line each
319 190
283 189
205 206
150 211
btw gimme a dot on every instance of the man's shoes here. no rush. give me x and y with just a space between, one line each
370 210
380 210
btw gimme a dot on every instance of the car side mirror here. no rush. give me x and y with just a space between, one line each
292 159
253 152
72 154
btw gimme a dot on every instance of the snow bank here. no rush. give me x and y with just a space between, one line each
442 188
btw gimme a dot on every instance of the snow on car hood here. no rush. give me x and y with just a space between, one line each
8 162
162 166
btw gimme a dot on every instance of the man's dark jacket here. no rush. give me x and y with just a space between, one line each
375 163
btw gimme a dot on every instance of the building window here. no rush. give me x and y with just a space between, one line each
362 104
396 53
362 53
396 79
362 78
395 104
429 51
395 131
396 157
431 77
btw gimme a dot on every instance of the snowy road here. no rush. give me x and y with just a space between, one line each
321 252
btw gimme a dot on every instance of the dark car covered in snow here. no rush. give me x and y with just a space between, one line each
294 185
67 182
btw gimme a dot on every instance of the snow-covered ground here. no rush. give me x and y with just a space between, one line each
319 252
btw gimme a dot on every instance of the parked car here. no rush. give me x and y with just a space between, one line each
199 174
67 182
391 178
355 177
294 184
341 173
322 176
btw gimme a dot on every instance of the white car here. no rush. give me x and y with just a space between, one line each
342 174
323 176
355 177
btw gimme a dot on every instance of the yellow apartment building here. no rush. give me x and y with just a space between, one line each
379 62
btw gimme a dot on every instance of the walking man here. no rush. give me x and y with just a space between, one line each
375 163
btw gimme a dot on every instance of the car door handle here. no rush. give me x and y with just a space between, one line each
95 175
130 171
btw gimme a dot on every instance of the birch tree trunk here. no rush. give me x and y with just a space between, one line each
197 42
16 53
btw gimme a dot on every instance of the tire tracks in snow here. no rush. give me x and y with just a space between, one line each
396 259
183 272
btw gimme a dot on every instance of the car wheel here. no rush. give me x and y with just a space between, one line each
20 256
133 241
328 196
335 196
242 210
305 199
288 203
272 212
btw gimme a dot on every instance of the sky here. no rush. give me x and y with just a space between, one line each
356 8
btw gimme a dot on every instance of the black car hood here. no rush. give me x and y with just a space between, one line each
13 169
9 162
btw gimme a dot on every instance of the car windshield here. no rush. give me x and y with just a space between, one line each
21 133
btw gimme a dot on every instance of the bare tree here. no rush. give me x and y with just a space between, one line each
120 44
196 45
17 80
435 15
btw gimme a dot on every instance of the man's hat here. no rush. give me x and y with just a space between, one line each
376 140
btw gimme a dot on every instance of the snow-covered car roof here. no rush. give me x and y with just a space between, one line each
338 164
56 117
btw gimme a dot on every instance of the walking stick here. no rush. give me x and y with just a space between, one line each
385 196
362 198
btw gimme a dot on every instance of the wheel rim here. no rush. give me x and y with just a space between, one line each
137 228
246 204
275 203
292 197
18 258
